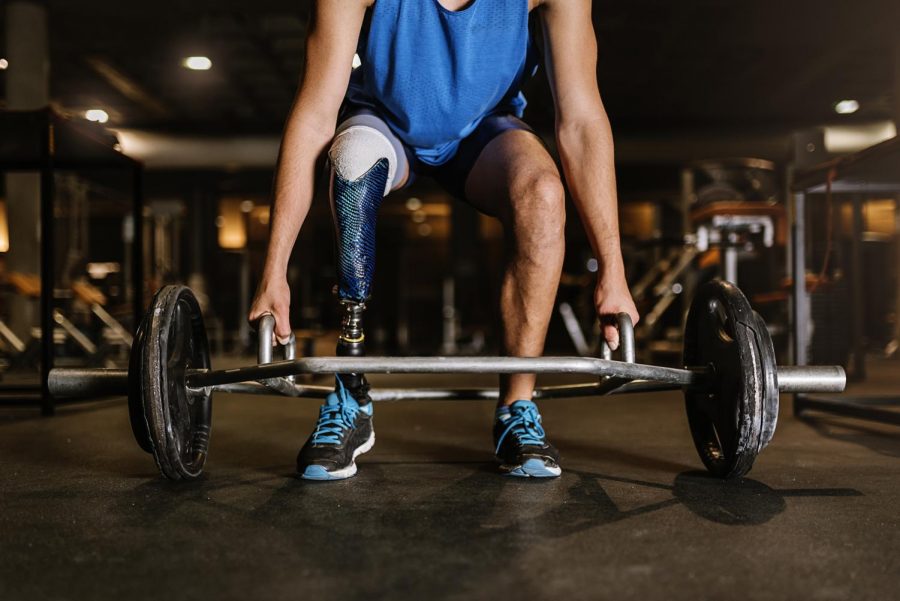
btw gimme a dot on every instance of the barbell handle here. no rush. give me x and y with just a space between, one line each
626 339
266 329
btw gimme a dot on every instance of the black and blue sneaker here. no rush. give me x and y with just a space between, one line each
520 443
344 432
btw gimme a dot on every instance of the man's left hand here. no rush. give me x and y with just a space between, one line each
612 297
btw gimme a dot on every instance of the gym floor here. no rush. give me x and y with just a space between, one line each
84 514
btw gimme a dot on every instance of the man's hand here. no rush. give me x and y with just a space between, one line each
585 142
274 296
612 297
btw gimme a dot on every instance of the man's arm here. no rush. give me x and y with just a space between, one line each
585 145
333 35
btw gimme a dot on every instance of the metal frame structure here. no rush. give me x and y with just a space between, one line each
873 170
44 141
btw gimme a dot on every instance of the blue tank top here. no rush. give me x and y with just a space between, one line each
433 74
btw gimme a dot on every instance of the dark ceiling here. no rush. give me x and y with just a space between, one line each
696 65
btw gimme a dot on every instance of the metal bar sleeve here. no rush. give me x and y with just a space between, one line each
87 382
860 408
811 378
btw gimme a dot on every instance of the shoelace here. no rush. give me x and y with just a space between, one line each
335 419
524 425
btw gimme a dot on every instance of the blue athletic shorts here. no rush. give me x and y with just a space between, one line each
453 174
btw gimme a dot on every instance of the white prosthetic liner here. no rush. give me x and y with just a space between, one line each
356 149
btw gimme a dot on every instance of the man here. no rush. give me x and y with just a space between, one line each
438 94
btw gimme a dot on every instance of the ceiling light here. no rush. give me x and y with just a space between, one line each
197 63
98 115
846 107
3 63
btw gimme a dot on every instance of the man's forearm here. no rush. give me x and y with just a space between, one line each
302 144
586 150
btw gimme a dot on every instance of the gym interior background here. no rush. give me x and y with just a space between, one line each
754 142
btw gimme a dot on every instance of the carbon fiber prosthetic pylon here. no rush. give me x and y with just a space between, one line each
355 205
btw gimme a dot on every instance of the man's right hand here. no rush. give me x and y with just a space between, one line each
274 297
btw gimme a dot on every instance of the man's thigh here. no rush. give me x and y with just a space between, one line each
507 170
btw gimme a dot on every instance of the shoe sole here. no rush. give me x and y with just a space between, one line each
533 468
317 472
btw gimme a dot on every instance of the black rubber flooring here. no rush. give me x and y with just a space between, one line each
84 515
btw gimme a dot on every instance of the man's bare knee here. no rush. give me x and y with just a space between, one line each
538 210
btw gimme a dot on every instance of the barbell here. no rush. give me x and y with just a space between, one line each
730 381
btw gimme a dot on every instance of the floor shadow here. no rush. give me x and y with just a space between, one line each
577 449
15 415
403 513
740 502
411 514
415 450
883 442
469 508
475 525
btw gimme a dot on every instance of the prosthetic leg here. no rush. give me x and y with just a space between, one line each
355 205
364 161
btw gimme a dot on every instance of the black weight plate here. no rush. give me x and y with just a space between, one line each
135 402
178 421
770 381
726 414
